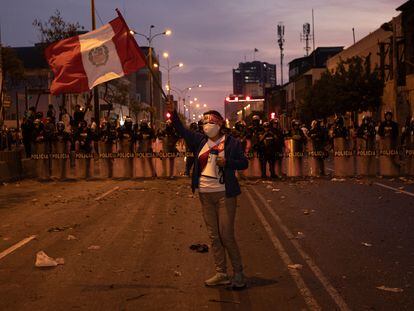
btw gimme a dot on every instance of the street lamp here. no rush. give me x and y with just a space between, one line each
149 38
169 68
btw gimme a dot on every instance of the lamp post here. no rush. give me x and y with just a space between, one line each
149 39
182 93
168 68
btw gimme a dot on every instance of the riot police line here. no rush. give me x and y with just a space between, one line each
139 151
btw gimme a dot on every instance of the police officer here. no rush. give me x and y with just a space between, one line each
254 132
267 150
240 132
388 128
318 136
169 137
145 138
276 129
295 139
367 132
60 147
339 128
107 141
407 131
39 149
83 145
126 139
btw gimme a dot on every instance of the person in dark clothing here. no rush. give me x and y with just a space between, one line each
388 128
267 150
366 132
27 129
339 128
169 138
190 159
217 157
78 116
318 135
280 143
145 138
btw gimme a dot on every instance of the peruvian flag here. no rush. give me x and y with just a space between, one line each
81 62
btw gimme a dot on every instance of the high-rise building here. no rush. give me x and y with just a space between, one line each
251 78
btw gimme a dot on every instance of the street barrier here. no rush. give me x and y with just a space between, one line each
343 157
389 165
365 157
118 160
294 153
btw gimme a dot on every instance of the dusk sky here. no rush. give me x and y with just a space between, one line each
211 36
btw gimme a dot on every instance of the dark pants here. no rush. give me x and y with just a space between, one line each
263 166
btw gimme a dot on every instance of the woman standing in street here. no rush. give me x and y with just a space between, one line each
217 157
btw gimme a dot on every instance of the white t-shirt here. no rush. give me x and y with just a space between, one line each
210 176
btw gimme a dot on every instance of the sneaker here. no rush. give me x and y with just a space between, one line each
218 279
238 281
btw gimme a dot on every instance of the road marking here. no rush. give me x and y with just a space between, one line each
395 189
300 283
315 269
106 193
11 249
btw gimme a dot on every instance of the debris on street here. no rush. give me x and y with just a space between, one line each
295 266
390 289
94 247
199 248
43 260
366 244
338 179
71 237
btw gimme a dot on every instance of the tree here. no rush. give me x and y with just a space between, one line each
55 28
353 87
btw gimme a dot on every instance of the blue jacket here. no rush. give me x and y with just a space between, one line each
233 153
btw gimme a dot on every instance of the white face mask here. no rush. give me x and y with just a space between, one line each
211 130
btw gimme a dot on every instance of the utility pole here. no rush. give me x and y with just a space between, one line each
353 33
281 42
95 89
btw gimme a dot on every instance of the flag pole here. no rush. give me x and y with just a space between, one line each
143 57
95 89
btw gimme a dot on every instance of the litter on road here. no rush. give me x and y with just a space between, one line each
71 237
199 248
366 244
94 247
43 260
338 179
295 266
390 289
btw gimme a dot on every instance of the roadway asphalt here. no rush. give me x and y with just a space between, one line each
306 245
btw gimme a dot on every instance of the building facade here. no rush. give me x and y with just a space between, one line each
251 78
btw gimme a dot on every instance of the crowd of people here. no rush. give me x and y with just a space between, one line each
261 138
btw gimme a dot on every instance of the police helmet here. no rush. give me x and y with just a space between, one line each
60 126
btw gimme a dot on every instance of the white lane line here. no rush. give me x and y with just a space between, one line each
340 302
11 249
106 193
395 189
300 283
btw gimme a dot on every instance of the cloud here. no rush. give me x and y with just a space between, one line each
212 36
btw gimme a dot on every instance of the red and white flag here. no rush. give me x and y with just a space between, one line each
81 62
